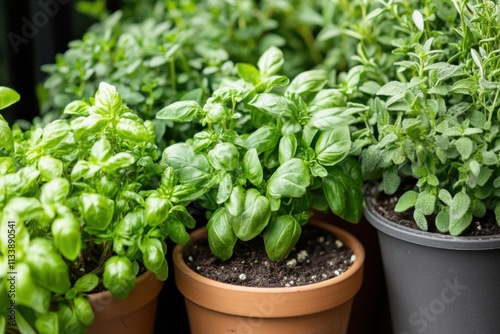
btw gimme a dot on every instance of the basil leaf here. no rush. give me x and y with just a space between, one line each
189 166
333 145
309 81
221 236
6 140
224 156
263 139
254 217
49 167
252 167
8 96
86 283
274 104
180 111
156 211
344 195
270 62
107 100
119 276
280 237
97 210
290 179
67 239
83 311
47 267
132 130
236 202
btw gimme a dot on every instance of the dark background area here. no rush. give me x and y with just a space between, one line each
32 32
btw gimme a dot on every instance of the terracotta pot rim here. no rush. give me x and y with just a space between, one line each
241 300
105 306
340 233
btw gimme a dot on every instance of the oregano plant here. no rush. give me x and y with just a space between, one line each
437 126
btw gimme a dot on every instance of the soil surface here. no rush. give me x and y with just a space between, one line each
385 205
317 256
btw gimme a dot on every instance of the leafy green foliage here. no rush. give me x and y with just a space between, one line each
261 163
88 202
436 121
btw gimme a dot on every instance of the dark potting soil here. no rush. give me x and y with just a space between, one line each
317 256
385 204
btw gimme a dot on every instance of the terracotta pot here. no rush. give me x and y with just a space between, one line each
134 314
319 308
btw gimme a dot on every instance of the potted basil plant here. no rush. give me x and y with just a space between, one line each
85 215
269 151
435 154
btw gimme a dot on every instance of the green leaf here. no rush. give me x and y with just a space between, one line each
177 231
270 62
464 146
459 206
28 293
49 167
107 100
224 156
263 139
458 225
443 221
153 254
67 239
79 107
308 82
328 119
119 276
6 140
236 202
83 311
83 127
86 283
406 201
54 133
180 111
344 195
156 210
55 191
420 219
101 151
249 73
254 217
392 88
47 267
181 213
132 130
221 236
425 203
190 167
252 167
333 146
280 237
287 148
97 210
8 96
445 196
290 179
274 104
225 187
47 323
418 19
118 161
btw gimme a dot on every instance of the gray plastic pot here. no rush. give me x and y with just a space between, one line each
438 283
